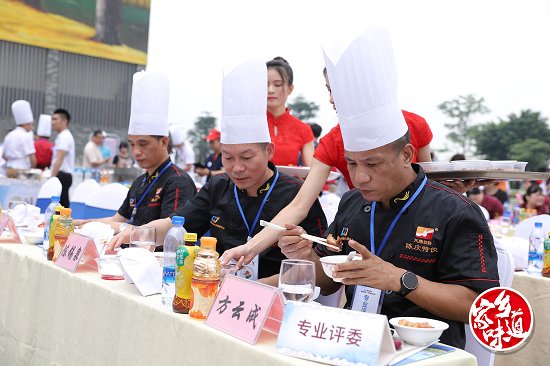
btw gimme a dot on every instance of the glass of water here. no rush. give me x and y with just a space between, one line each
297 279
143 237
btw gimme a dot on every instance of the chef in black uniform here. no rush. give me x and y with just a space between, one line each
232 204
164 188
426 249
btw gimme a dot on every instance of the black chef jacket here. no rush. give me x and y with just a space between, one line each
214 208
171 191
442 236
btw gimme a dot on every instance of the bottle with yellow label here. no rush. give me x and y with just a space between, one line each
546 257
206 279
185 256
52 225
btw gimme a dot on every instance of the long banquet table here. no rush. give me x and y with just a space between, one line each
49 316
537 352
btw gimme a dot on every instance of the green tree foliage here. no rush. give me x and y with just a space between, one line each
462 110
203 124
496 140
534 151
302 109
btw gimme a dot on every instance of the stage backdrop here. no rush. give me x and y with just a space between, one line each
111 29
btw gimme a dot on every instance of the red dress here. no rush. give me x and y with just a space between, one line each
330 150
292 135
44 151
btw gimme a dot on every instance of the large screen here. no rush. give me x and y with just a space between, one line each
111 29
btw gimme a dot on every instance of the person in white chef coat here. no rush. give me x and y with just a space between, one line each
19 151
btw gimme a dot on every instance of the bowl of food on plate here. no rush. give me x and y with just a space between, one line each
330 261
520 166
435 166
471 164
507 165
418 331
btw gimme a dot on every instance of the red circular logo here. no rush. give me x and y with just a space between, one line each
501 319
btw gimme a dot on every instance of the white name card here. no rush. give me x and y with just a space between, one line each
335 336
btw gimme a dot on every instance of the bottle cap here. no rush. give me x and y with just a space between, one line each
55 198
66 211
208 242
178 220
190 237
538 224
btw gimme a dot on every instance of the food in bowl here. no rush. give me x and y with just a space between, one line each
471 165
435 166
407 323
503 165
330 261
418 336
520 166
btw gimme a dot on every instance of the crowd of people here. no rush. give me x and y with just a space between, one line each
376 146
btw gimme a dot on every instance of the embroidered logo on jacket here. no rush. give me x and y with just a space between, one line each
404 198
214 222
425 233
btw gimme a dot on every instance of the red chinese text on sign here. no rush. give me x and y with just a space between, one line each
501 319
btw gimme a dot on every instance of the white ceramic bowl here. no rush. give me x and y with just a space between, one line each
419 336
520 166
33 236
503 165
329 261
471 165
435 166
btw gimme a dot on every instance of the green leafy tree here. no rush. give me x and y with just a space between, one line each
495 140
203 125
303 109
534 151
462 110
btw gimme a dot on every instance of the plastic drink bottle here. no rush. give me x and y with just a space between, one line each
51 231
536 248
206 278
172 240
50 210
63 229
185 256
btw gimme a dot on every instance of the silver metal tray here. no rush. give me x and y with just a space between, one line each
487 174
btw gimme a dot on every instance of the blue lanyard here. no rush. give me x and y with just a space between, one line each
251 228
134 211
392 226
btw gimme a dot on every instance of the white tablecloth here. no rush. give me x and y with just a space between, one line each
49 316
537 352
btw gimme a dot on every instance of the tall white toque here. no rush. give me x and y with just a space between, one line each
363 80
244 104
44 125
22 112
150 100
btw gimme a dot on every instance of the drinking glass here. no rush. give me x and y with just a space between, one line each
297 279
143 237
17 210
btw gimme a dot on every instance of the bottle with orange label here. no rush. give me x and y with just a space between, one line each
206 279
63 229
51 231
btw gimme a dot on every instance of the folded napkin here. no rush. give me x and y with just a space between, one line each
142 268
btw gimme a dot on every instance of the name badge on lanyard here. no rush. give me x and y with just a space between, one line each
367 299
250 271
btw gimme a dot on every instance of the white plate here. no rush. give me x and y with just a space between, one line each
303 171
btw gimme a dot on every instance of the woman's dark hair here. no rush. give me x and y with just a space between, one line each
283 68
456 157
533 188
123 145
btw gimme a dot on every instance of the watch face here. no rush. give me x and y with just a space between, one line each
410 281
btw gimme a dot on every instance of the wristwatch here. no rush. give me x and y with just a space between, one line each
409 282
123 227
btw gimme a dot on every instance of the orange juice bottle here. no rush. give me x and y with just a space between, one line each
63 229
206 279
53 223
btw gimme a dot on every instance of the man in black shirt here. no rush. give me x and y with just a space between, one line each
164 188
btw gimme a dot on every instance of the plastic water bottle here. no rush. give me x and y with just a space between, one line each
47 217
536 249
173 239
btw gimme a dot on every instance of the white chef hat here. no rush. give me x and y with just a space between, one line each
149 110
44 125
244 104
177 136
363 80
22 112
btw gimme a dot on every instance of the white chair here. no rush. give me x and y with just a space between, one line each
79 196
506 275
51 187
524 228
332 300
105 201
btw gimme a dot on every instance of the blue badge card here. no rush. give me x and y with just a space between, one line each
335 336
